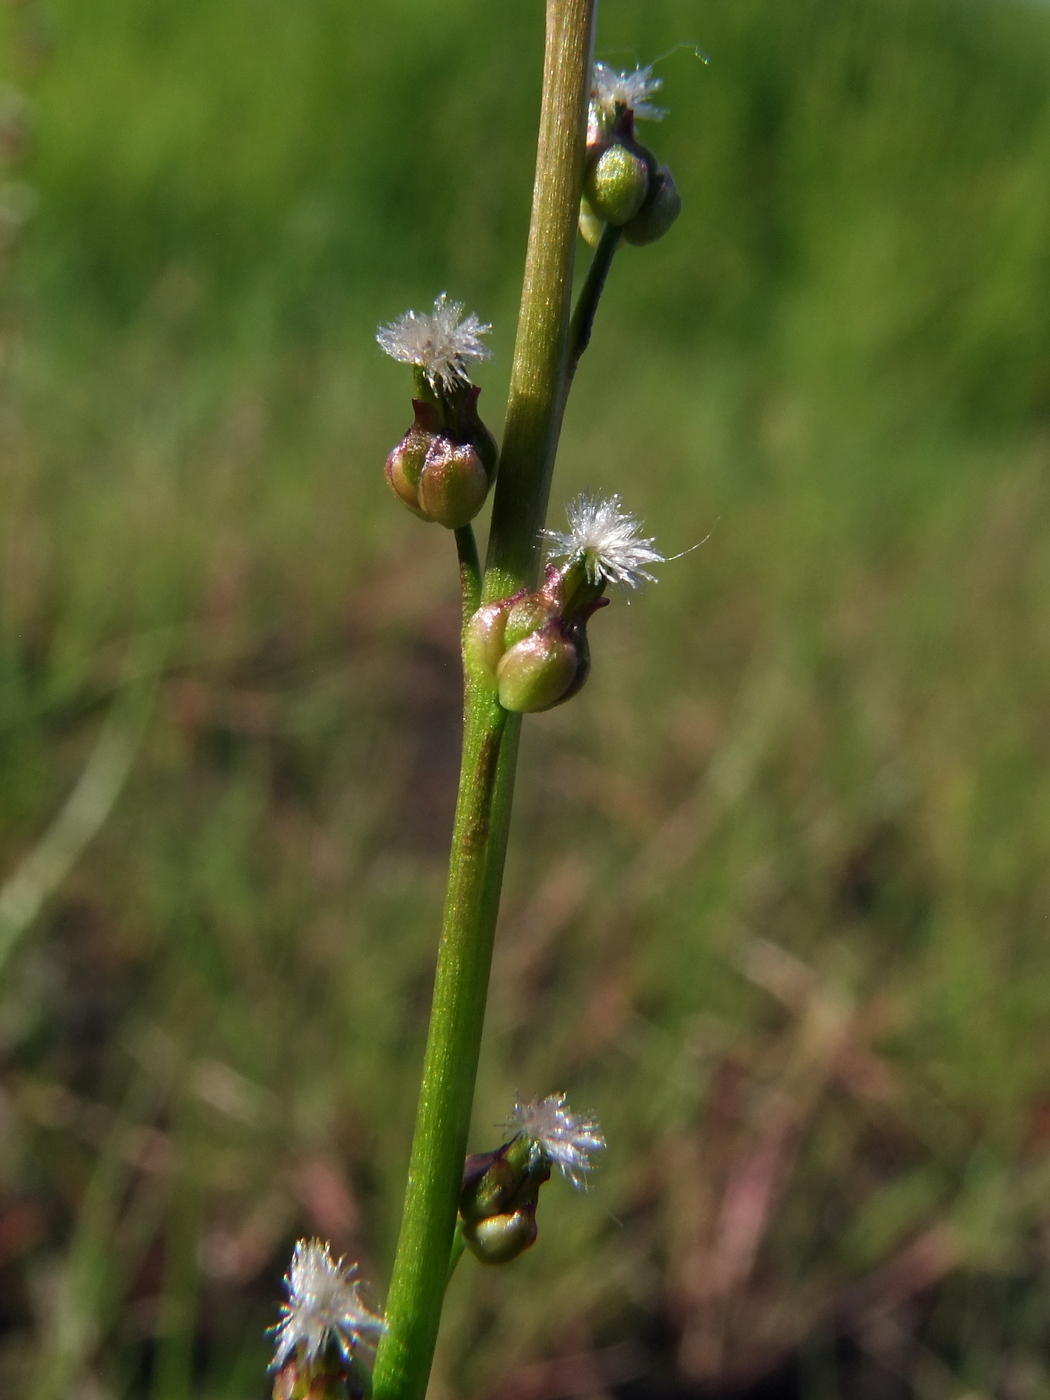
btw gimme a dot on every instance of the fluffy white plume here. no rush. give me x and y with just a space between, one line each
323 1305
441 344
611 89
556 1132
609 539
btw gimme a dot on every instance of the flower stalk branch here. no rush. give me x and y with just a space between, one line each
469 571
590 295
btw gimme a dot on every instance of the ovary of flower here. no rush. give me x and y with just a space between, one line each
608 539
555 1132
441 344
323 1305
611 88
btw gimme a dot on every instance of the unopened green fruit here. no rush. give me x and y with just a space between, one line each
404 468
489 1193
616 184
453 484
483 646
658 212
538 672
526 616
501 1238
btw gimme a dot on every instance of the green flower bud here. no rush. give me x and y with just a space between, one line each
483 639
528 615
501 1238
490 1182
541 671
590 225
487 639
453 483
497 1205
404 466
616 182
443 467
532 647
659 211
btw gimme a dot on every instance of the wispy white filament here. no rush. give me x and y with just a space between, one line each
559 1134
441 344
609 539
323 1305
611 89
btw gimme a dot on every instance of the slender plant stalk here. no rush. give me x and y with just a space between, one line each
490 742
538 377
469 571
590 295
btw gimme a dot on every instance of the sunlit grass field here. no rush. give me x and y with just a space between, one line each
777 907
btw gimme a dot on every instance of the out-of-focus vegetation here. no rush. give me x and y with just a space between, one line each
778 900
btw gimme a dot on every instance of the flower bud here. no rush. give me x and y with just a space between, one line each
453 483
500 1238
659 211
532 647
443 467
497 1206
616 182
528 614
404 466
544 669
483 639
490 1182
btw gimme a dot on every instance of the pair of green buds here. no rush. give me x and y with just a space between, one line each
532 647
625 187
497 1206
444 465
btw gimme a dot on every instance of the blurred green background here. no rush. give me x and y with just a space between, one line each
778 897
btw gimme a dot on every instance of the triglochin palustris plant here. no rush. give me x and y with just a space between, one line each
525 649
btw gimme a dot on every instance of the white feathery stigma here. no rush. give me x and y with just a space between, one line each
611 89
609 539
555 1132
323 1305
441 344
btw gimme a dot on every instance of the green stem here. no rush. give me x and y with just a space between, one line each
439 1145
490 739
590 295
538 378
469 571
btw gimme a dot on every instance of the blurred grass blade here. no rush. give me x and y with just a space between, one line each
86 810
118 1216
